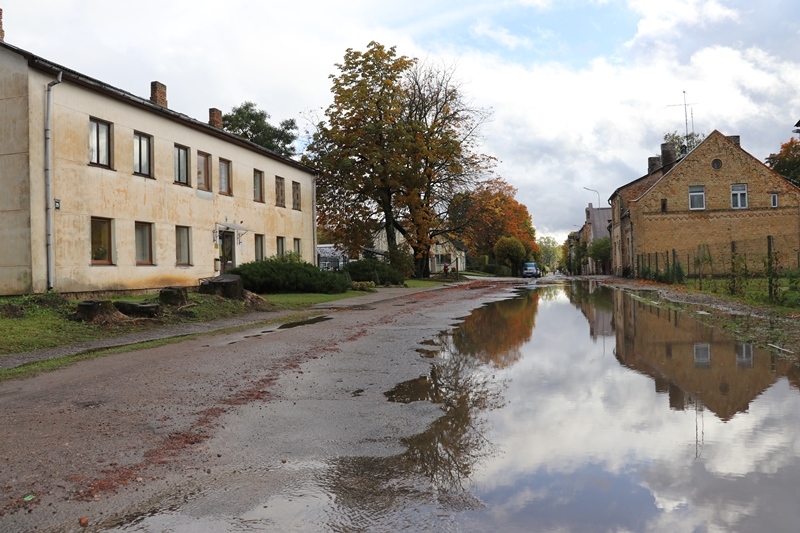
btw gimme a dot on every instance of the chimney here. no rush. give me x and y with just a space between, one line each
215 118
668 155
158 93
653 164
2 32
735 140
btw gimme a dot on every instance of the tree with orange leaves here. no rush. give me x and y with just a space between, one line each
491 212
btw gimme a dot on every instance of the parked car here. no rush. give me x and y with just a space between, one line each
530 270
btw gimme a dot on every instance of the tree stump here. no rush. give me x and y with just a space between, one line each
227 285
173 296
139 309
98 312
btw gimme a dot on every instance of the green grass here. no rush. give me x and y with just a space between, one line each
303 300
423 283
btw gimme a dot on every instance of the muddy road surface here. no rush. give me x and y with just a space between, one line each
268 429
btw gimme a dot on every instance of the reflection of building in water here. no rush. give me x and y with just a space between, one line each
596 303
689 360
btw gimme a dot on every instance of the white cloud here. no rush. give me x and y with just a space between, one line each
502 36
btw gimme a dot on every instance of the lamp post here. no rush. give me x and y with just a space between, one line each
597 193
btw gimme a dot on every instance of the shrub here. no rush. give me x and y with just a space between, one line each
373 270
281 274
365 286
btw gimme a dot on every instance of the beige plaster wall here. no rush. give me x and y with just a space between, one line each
15 261
85 191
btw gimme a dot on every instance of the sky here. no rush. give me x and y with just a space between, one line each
581 92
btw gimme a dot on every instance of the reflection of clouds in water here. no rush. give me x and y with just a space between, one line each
568 405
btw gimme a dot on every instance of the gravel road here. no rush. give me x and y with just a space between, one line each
197 436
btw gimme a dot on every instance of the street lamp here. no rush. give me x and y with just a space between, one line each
597 193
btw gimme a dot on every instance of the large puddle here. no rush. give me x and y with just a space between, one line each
576 408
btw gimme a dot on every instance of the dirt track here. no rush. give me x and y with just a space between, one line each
113 439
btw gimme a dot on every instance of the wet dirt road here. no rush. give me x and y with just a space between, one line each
224 432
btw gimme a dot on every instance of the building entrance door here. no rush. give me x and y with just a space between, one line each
226 252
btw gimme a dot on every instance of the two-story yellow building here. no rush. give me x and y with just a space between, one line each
104 190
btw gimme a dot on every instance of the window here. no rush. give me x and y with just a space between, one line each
225 186
702 355
697 197
144 243
295 196
203 171
101 241
258 186
141 153
744 355
183 245
99 142
739 196
280 192
663 205
774 201
181 164
259 245
281 245
297 247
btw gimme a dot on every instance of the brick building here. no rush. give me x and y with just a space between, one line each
714 200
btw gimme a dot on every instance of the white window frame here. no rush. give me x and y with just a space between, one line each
697 191
739 196
774 200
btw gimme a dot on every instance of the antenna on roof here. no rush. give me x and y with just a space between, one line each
686 118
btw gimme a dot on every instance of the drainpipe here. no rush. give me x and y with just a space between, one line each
314 217
48 165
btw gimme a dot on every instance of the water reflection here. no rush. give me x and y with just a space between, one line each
494 333
692 362
591 444
436 464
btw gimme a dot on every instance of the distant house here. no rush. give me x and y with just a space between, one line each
108 191
716 200
595 227
443 252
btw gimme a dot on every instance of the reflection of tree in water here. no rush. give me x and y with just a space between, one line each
549 293
494 333
599 296
436 464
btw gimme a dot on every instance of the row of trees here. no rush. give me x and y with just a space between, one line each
398 152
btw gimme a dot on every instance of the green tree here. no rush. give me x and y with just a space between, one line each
678 141
511 252
251 123
787 161
600 252
550 252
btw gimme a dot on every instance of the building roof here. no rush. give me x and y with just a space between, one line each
92 84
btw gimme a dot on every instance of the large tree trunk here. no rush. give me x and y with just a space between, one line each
422 264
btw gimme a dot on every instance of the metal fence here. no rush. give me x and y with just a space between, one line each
770 258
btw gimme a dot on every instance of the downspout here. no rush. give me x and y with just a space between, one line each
48 193
314 219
